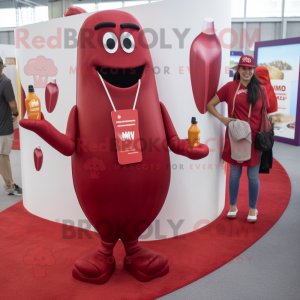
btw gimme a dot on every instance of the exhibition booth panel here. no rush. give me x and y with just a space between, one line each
282 59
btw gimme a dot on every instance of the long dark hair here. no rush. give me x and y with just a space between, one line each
254 88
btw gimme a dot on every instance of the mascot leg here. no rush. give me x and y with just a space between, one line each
144 264
96 267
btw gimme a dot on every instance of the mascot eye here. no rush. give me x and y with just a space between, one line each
36 68
110 42
127 42
45 68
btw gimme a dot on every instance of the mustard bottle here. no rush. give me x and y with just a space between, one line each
33 105
194 134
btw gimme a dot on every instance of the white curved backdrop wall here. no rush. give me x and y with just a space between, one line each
197 189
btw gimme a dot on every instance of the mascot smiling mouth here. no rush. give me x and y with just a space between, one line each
121 78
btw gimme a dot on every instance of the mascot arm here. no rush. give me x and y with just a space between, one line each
179 146
63 143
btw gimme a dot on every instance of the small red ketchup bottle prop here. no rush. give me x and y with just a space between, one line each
38 158
205 65
51 95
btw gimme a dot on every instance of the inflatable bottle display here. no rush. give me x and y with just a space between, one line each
205 65
33 105
51 95
194 134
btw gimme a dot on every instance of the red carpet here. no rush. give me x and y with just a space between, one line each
191 256
16 144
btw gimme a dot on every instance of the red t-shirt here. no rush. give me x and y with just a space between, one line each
241 111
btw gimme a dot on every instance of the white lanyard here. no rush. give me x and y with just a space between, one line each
136 96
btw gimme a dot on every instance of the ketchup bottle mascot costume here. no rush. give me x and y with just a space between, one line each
114 69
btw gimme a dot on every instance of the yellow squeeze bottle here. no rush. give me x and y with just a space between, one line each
33 105
194 134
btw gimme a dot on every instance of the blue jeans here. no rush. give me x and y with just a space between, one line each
253 183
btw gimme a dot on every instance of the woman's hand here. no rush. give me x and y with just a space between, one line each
211 108
226 121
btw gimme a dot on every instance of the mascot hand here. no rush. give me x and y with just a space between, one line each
50 134
34 125
181 147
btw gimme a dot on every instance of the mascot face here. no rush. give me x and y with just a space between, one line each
113 44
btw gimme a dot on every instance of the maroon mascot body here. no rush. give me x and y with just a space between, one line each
119 201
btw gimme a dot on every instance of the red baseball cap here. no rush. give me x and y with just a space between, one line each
247 61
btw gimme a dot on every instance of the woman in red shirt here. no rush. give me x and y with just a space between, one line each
249 90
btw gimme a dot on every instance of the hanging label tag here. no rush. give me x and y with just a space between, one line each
126 125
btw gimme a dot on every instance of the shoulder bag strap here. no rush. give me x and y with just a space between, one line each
250 109
264 114
232 113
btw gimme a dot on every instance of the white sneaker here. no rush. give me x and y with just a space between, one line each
252 219
232 214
